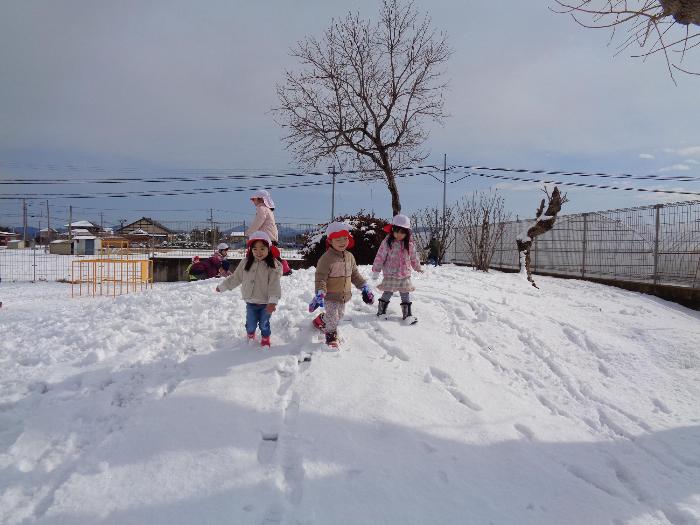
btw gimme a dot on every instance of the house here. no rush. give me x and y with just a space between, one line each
146 226
7 236
47 235
92 228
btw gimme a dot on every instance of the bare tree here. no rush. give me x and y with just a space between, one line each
365 92
429 226
656 26
482 221
542 224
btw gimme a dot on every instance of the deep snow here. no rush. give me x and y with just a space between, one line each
573 404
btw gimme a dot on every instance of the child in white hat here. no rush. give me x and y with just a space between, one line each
258 275
396 257
336 270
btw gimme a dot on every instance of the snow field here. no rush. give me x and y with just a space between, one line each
576 403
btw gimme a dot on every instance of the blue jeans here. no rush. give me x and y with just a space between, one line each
257 314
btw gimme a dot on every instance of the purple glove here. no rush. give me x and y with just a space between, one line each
367 295
317 301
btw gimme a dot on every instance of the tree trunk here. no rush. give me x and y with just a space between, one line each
391 184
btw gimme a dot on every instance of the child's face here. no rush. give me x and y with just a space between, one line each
399 234
260 250
256 201
340 243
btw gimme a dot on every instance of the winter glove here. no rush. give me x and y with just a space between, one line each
375 276
367 295
317 301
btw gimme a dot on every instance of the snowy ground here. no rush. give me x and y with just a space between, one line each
573 404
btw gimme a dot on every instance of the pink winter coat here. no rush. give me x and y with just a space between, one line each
264 221
396 262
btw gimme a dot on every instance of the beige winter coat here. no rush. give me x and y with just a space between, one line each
259 285
335 272
264 221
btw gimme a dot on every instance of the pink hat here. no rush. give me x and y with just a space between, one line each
265 196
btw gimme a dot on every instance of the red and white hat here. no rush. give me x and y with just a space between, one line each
264 237
399 220
265 196
339 229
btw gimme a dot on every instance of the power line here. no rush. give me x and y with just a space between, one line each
673 178
583 185
192 191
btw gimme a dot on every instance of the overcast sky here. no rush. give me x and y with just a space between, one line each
158 86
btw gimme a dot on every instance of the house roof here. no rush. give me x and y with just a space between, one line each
8 233
81 224
80 231
147 219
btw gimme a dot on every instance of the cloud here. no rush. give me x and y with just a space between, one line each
676 167
689 152
646 156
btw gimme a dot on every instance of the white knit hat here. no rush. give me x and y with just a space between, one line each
265 196
222 246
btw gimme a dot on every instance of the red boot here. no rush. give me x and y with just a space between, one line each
319 323
265 341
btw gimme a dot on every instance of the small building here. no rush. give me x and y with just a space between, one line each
61 247
86 245
7 236
16 244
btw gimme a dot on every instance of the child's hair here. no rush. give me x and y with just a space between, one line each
406 240
250 258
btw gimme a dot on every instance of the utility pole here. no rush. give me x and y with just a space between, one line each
211 226
444 194
24 219
70 225
331 170
101 220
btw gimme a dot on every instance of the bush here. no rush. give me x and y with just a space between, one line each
368 232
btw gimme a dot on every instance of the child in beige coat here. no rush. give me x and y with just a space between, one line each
258 275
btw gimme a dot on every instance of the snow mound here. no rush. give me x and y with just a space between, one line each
576 403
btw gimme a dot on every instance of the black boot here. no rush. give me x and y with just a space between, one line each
382 306
332 339
407 315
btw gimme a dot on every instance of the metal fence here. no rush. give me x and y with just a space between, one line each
657 244
190 239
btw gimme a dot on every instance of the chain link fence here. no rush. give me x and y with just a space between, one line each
186 240
657 244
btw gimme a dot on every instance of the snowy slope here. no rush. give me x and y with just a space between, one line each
573 404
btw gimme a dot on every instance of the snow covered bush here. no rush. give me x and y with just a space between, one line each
368 232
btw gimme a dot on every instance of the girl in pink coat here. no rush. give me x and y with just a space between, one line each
265 221
397 257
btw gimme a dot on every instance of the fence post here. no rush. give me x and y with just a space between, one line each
656 243
34 253
585 234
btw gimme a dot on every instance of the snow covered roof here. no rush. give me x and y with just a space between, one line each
60 241
80 224
8 233
83 237
80 231
138 231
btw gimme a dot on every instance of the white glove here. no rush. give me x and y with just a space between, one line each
375 276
